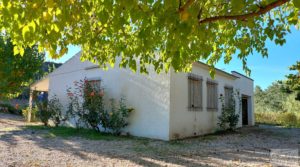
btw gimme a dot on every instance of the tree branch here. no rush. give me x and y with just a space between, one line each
186 5
261 11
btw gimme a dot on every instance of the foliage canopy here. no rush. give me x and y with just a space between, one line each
276 98
164 33
293 80
16 72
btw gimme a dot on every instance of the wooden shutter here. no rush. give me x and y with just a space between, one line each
195 92
228 92
212 96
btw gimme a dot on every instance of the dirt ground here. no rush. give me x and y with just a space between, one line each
250 146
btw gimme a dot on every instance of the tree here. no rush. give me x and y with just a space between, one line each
293 80
278 97
259 99
164 33
17 71
272 98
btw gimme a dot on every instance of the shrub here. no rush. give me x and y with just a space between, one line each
34 111
117 117
87 107
288 119
50 110
88 112
55 110
93 105
6 107
43 113
291 104
228 118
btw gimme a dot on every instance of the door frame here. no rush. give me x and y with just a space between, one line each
245 119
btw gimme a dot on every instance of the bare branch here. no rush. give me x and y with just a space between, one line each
261 11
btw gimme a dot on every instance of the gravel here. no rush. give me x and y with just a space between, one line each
249 146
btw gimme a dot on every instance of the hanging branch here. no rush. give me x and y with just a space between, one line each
261 11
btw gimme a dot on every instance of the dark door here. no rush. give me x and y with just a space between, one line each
245 111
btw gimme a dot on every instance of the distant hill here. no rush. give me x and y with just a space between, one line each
50 66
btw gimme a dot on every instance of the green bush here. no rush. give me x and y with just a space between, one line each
229 119
291 104
50 110
92 112
87 113
55 108
43 113
288 119
34 112
5 107
117 117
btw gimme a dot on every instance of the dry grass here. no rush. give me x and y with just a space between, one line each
287 119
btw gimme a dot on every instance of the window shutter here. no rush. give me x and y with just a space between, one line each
194 92
228 96
198 95
212 96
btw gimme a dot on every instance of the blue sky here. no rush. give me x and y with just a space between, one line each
264 71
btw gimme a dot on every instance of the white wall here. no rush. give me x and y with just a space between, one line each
246 87
149 94
160 100
185 123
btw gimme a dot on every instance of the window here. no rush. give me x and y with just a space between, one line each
212 96
228 93
95 84
195 92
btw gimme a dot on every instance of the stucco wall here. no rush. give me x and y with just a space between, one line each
149 94
185 123
160 100
246 87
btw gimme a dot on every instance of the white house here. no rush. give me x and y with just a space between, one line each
168 105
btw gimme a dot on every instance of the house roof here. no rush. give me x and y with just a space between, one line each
242 75
41 85
222 72
218 71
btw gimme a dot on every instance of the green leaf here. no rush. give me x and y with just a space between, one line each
237 5
106 28
33 25
25 31
16 50
21 51
212 73
16 72
55 27
296 3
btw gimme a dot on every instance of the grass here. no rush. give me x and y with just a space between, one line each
286 119
142 145
66 132
209 137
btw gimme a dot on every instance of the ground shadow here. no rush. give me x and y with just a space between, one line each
250 145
